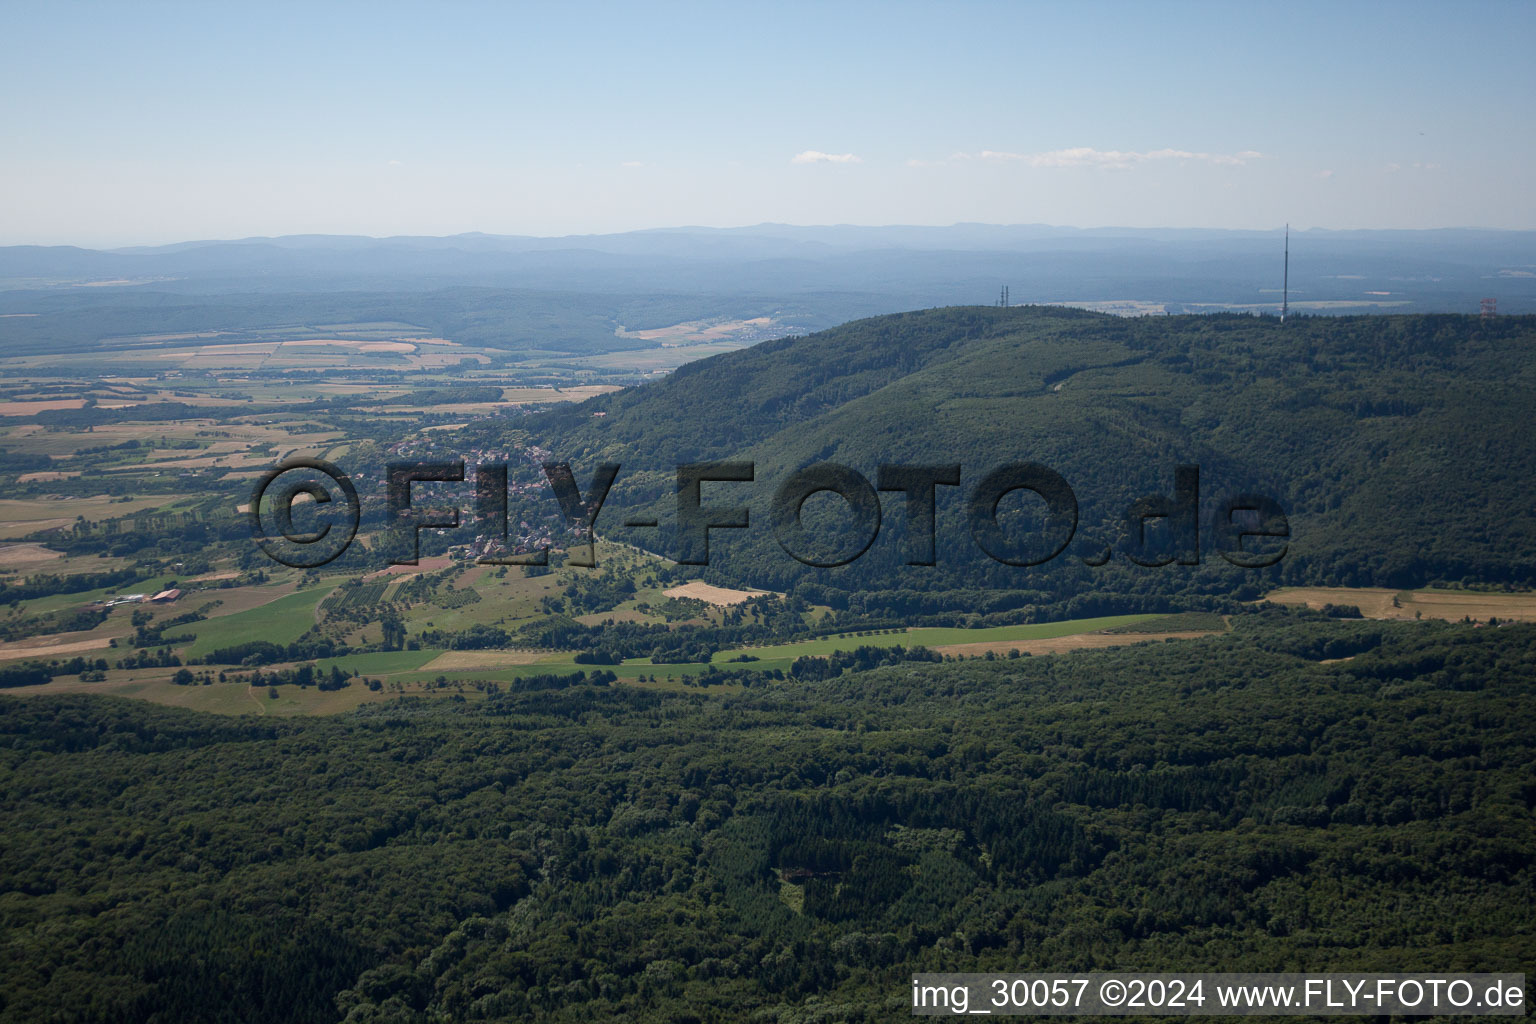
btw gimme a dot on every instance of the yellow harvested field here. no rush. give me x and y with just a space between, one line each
55 646
18 556
1450 605
47 476
32 408
28 514
234 460
719 596
459 660
21 529
361 346
1373 602
1061 644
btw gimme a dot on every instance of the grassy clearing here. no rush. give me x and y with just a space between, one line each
928 636
281 621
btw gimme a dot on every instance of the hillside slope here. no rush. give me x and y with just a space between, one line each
1401 448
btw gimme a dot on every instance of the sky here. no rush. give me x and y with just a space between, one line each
151 123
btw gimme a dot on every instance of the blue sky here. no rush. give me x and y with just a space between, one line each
150 123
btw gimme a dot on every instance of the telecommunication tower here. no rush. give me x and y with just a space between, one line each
1285 287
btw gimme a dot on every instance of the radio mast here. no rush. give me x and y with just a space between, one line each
1285 293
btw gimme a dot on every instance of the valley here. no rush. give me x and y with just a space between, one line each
109 475
684 789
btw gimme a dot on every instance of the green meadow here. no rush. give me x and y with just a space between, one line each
281 622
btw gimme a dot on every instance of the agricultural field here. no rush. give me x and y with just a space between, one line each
1036 638
361 596
1433 603
22 517
442 598
281 620
722 597
26 556
138 480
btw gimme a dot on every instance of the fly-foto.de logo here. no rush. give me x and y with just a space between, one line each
1248 530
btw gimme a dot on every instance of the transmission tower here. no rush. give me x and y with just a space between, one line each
1285 288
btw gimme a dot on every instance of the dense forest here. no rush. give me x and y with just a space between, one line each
1301 793
1396 446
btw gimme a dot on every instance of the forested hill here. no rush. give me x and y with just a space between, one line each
785 853
1401 447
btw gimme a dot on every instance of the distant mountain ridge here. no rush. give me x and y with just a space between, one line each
1418 271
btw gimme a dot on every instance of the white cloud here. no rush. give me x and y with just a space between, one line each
1325 175
632 163
816 156
1108 159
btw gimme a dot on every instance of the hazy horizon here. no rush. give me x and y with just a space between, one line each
1065 230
